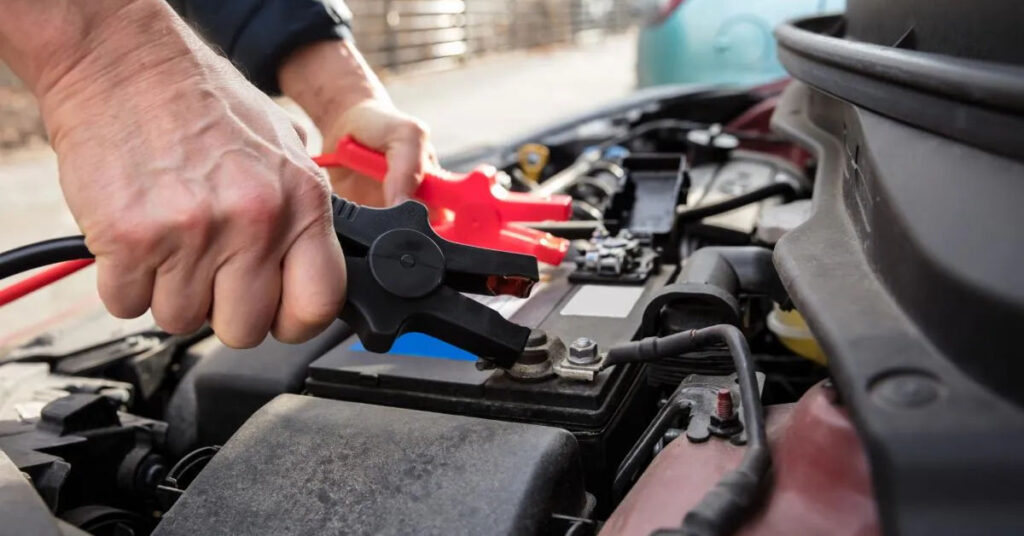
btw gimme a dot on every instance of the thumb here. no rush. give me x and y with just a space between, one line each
407 163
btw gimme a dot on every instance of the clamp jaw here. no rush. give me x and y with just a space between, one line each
472 208
404 277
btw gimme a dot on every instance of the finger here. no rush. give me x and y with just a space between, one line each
246 292
182 295
313 285
405 171
125 288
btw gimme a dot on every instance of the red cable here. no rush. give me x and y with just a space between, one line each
40 280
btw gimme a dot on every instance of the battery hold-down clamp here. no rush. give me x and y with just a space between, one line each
471 208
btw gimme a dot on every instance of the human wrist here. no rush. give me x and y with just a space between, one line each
327 78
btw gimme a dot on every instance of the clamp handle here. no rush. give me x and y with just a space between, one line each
473 208
357 157
406 278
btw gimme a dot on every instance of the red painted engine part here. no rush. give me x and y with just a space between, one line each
820 481
471 209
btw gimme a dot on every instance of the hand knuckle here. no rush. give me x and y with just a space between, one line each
417 130
260 209
179 324
312 193
194 218
131 236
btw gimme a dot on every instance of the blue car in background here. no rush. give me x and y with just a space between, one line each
716 41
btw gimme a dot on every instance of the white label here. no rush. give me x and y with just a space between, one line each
609 301
506 306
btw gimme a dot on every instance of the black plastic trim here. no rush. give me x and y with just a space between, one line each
972 101
943 446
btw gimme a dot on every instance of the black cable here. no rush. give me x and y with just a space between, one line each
686 125
726 506
651 126
42 254
571 229
753 196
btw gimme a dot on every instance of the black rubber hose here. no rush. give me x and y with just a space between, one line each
652 126
41 254
571 229
683 125
753 196
724 508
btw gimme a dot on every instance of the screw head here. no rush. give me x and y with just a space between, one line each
583 351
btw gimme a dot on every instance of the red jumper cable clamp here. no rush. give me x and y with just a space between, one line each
471 208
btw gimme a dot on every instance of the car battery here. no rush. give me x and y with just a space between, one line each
422 372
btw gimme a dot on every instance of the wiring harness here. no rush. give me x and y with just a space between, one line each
727 505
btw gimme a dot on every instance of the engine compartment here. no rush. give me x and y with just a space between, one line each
678 201
788 309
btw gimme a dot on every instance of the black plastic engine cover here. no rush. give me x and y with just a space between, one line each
304 465
228 385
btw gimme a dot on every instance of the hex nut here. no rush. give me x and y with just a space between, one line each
583 351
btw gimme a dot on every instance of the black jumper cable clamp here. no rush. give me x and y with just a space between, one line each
404 277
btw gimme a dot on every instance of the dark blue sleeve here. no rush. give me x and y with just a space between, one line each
258 34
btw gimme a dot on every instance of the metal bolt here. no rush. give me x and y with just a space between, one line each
537 337
583 351
723 408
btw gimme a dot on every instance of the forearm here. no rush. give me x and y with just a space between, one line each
72 52
327 78
44 41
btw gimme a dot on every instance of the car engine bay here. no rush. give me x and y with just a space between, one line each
671 383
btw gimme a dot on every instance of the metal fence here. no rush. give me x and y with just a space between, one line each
426 34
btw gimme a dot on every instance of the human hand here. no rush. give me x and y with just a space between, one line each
192 188
343 97
402 139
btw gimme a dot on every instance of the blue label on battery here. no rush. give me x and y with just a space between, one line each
421 345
